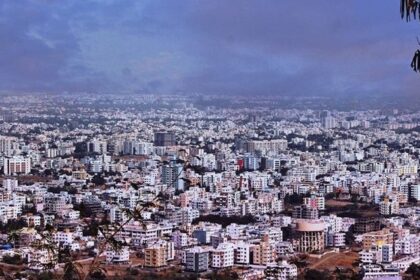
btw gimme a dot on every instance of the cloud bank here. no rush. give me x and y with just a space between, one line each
259 47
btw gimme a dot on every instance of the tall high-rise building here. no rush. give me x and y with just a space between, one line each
327 121
8 145
172 175
154 256
197 260
17 165
415 192
97 146
164 139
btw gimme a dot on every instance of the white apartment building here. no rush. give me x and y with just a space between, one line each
180 239
281 271
242 253
8 145
223 256
63 237
315 202
8 212
120 255
381 254
415 192
16 165
409 245
10 184
389 206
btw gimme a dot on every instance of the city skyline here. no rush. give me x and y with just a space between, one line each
209 140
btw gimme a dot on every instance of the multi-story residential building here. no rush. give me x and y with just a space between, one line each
223 256
242 253
197 260
54 203
315 202
180 239
281 271
16 165
415 192
379 254
8 145
163 139
375 238
305 212
172 175
117 256
263 253
389 206
155 256
63 237
9 212
97 146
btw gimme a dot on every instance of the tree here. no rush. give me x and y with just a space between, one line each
98 180
98 274
224 275
45 275
72 271
313 274
15 259
414 271
294 199
350 238
411 9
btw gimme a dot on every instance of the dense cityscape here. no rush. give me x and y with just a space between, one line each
193 187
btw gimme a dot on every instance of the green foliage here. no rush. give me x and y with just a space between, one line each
45 275
414 271
72 271
224 275
84 211
92 229
15 259
12 225
294 199
350 238
313 274
409 8
69 189
97 275
98 180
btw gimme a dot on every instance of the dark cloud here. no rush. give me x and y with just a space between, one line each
226 47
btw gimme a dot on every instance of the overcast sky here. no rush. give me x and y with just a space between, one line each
284 47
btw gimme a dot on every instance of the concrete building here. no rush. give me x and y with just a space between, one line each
172 175
389 206
16 165
197 260
155 256
223 256
263 253
305 212
373 239
163 139
242 253
118 256
310 235
281 271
